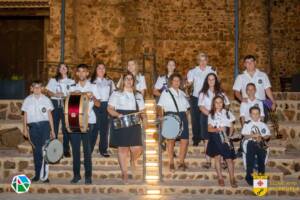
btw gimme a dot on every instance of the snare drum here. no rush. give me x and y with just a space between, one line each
77 113
171 126
52 151
127 121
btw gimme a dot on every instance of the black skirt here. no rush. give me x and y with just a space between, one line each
216 147
126 137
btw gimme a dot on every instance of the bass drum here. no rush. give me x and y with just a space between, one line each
171 126
77 113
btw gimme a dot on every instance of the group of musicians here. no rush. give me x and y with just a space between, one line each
212 122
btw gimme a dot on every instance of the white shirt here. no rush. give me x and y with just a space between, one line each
167 103
260 79
62 85
126 100
250 126
197 76
161 83
105 88
140 82
220 119
37 108
245 106
88 87
206 100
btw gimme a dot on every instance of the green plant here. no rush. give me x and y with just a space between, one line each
15 77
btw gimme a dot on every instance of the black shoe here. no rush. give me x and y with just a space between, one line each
88 181
75 180
67 154
105 154
195 144
249 181
35 179
46 181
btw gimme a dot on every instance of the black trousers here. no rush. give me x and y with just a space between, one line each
101 127
195 114
39 133
253 150
58 115
267 113
76 139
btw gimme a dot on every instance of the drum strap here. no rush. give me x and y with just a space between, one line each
44 171
174 101
136 104
181 122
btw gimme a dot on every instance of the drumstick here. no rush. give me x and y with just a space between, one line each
135 113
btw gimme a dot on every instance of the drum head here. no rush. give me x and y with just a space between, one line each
53 151
170 127
84 113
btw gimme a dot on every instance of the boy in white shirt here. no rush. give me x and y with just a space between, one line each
256 133
88 139
261 81
250 102
38 119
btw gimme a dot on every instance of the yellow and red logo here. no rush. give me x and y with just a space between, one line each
260 185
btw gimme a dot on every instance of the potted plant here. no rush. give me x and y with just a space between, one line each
13 88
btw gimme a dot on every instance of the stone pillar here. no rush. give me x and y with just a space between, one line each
254 32
53 34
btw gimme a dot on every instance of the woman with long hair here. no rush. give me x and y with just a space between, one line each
162 81
58 88
220 129
211 88
140 82
105 86
128 140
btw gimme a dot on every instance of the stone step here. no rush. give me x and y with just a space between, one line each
194 187
65 172
7 124
277 147
287 164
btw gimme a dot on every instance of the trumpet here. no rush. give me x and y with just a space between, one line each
261 143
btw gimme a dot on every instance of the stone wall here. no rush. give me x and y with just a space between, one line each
117 30
288 108
285 33
10 110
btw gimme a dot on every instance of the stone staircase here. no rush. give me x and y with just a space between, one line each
283 167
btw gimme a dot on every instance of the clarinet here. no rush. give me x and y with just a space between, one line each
226 139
